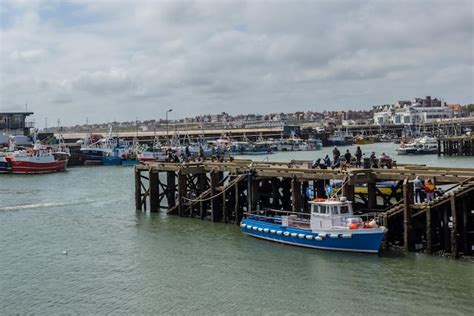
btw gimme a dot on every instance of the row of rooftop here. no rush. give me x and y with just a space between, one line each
420 110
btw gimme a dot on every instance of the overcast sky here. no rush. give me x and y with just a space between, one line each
128 59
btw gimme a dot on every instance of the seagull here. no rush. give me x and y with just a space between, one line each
65 252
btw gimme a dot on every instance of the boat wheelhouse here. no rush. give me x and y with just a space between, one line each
331 225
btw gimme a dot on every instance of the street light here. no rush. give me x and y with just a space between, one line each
167 123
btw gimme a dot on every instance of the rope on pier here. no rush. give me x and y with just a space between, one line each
220 193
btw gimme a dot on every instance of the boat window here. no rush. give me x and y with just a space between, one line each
322 209
315 209
344 209
334 210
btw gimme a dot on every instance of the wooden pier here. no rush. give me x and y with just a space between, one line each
456 146
226 191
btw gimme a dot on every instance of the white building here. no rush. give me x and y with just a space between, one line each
410 113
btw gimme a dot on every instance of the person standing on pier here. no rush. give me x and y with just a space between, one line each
348 156
358 155
335 153
429 190
418 185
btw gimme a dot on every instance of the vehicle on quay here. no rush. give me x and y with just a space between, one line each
331 225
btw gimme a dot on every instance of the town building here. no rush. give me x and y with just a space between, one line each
419 111
15 123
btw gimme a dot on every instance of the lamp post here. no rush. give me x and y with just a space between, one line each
167 123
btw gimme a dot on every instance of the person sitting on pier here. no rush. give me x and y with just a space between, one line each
327 161
316 164
373 160
418 185
358 155
385 160
429 190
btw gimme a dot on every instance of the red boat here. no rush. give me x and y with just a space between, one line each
34 161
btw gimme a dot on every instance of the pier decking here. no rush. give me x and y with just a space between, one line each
226 191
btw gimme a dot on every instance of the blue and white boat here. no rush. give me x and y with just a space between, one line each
331 226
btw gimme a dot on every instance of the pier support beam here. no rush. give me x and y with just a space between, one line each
154 191
407 225
181 192
371 193
295 195
138 190
171 188
454 228
429 230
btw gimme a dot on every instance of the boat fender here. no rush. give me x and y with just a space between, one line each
249 227
260 229
333 235
279 232
255 228
286 234
301 236
294 234
318 238
309 237
353 226
265 230
242 225
346 235
272 231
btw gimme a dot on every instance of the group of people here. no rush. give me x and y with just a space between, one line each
424 191
352 160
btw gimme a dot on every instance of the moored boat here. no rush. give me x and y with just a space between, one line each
420 146
34 161
331 226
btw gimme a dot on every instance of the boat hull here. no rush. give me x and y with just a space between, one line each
91 157
34 167
360 240
130 162
5 167
111 161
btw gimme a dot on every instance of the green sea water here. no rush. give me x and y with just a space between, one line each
72 243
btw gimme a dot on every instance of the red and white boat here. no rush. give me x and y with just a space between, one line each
36 160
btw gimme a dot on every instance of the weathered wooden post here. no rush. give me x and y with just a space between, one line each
295 194
215 210
454 228
429 229
238 214
371 192
181 191
171 188
154 191
407 227
348 189
138 189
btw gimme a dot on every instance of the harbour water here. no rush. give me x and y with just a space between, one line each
72 243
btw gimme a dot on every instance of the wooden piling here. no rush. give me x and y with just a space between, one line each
138 189
429 229
407 226
154 191
454 228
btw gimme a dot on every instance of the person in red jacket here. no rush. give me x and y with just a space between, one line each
429 190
